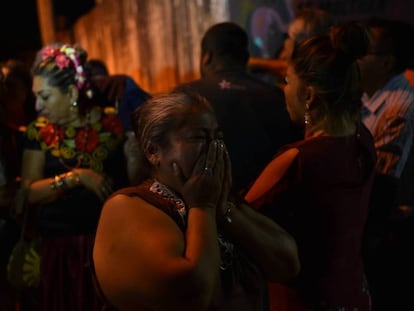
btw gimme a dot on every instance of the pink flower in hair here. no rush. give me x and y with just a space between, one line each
49 52
62 61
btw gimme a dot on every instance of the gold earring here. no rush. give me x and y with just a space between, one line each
307 115
74 106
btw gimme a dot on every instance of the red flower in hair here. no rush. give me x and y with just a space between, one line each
51 134
49 52
62 61
112 124
86 140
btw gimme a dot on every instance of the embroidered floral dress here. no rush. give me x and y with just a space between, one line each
67 225
97 146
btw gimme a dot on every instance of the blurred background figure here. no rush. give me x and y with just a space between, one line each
307 22
119 94
97 68
388 112
267 30
17 110
118 91
251 113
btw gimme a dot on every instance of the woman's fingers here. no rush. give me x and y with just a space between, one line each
211 158
178 173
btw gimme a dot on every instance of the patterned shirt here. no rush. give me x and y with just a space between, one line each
389 115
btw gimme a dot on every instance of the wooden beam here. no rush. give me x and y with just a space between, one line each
46 21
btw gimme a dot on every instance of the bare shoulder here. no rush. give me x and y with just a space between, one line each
134 239
128 223
124 211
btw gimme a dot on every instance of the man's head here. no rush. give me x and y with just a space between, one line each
224 46
391 52
97 67
307 23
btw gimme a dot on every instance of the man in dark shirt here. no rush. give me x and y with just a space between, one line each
251 113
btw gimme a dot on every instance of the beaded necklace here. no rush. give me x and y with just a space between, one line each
167 194
226 247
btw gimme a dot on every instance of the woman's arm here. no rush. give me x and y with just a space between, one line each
45 190
143 259
270 246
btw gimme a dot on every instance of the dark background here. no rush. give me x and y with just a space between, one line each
19 28
19 31
20 35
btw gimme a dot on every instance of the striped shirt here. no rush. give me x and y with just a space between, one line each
389 115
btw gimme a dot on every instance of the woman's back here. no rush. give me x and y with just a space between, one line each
323 202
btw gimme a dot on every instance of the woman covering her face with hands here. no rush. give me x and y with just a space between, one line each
180 240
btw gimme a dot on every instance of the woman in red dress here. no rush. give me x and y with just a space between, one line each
318 189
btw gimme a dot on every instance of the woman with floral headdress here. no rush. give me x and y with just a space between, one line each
72 162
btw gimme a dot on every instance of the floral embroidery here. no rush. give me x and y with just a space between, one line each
86 140
226 247
167 194
88 145
51 134
111 124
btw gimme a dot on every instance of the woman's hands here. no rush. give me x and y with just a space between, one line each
208 180
100 184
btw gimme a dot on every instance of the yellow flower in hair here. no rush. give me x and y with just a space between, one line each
67 50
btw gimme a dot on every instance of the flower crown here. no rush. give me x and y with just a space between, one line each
63 57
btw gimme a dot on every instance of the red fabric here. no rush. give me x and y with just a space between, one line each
284 298
67 283
323 201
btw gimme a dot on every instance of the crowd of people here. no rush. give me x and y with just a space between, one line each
224 193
